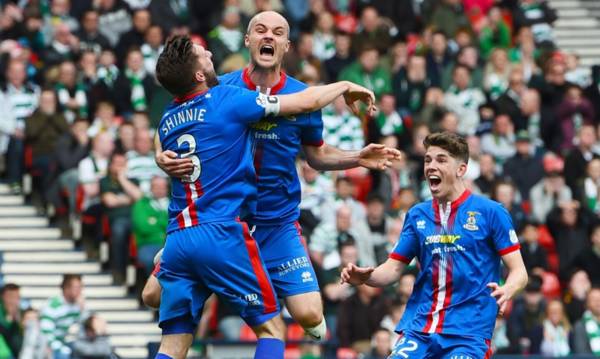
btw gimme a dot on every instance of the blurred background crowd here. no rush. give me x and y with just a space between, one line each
79 105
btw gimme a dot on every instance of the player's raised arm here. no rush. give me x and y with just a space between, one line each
317 97
373 156
385 274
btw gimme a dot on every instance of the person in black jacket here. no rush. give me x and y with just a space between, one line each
134 37
525 169
134 87
71 148
534 255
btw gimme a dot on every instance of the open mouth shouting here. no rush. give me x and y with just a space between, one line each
267 51
435 182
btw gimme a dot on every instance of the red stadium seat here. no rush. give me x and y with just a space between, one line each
550 285
295 332
292 353
247 334
346 353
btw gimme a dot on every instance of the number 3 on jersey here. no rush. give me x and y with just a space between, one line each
191 142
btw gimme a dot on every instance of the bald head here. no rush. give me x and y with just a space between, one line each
272 18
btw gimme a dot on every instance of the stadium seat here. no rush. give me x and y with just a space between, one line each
346 353
246 334
550 285
292 353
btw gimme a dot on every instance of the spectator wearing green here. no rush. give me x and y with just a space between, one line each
150 218
449 16
494 34
368 72
61 313
11 336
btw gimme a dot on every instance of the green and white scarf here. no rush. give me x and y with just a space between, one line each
138 95
80 96
592 328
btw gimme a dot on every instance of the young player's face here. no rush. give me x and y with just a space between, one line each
442 172
268 40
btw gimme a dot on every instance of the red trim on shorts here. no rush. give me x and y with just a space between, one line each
399 257
266 289
510 249
156 269
489 352
436 289
448 297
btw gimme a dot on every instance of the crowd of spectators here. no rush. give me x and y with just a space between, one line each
80 103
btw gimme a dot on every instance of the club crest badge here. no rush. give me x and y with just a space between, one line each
471 224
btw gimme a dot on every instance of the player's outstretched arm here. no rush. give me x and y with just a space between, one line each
317 97
373 156
385 274
515 282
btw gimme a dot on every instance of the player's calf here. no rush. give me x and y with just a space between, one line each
174 346
271 336
307 310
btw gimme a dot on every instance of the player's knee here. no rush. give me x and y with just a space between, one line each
310 316
273 328
151 293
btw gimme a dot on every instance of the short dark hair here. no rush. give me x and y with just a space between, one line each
456 145
68 278
176 65
8 287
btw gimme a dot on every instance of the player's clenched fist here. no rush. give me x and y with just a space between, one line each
359 93
174 166
356 275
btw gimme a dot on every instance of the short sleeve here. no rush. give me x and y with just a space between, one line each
312 133
408 244
244 105
503 234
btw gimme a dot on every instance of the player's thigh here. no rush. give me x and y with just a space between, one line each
286 257
306 308
182 292
151 292
412 345
461 347
233 268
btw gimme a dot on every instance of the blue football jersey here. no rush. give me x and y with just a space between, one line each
457 262
213 129
276 145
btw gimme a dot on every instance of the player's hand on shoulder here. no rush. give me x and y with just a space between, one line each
169 162
355 275
359 93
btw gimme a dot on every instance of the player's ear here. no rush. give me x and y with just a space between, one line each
462 169
287 45
199 76
246 40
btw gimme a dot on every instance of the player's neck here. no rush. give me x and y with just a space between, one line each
454 194
265 78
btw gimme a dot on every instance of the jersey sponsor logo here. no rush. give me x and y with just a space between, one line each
471 224
421 224
307 277
442 239
263 125
513 236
